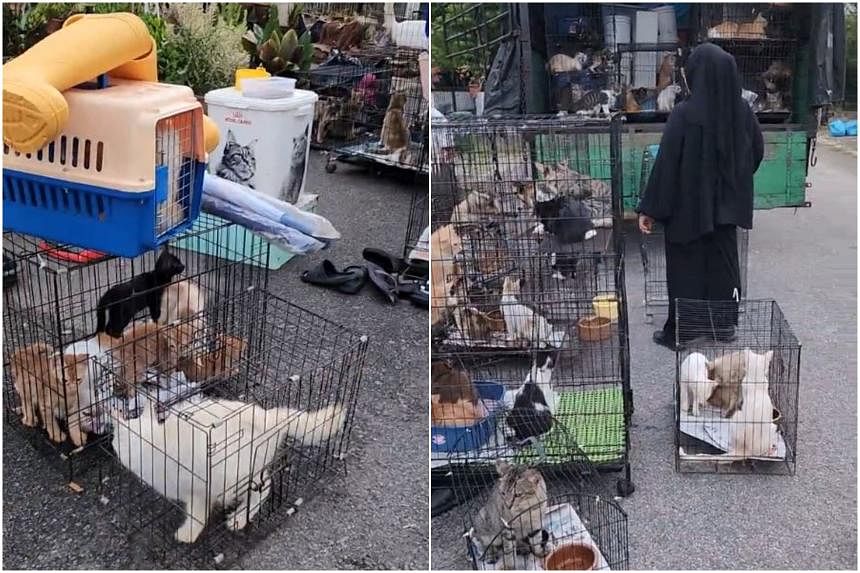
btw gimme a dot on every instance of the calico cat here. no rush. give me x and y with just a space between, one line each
160 454
511 521
395 131
237 162
290 192
122 302
596 103
534 403
475 325
565 223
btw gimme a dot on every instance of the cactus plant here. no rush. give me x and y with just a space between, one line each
279 54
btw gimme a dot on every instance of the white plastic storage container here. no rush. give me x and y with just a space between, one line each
264 142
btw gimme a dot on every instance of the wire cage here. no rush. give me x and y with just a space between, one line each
736 391
653 253
266 419
525 259
526 515
764 39
417 244
53 305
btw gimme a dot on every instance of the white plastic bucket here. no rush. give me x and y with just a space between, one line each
667 27
268 140
617 30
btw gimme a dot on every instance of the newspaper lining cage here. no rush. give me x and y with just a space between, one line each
529 284
653 253
526 514
736 391
120 195
265 422
53 306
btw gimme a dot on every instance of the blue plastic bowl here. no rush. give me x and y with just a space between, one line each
468 438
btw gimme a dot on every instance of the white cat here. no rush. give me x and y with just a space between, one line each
208 452
753 430
666 98
524 324
181 300
561 63
695 387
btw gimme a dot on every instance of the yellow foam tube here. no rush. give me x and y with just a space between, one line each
34 109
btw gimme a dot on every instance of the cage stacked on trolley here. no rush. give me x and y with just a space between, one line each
527 515
736 391
528 312
653 253
372 107
763 38
181 378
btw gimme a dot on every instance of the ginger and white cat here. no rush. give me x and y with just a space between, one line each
177 460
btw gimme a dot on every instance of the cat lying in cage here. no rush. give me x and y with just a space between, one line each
118 306
162 455
511 520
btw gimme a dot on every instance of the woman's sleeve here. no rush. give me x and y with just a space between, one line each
757 143
659 197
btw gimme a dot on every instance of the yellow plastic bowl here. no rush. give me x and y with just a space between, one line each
606 306
246 73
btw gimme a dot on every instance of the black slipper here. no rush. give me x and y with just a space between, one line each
384 260
383 281
348 281
665 341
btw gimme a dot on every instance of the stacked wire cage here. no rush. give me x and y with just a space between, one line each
217 398
736 390
365 77
525 515
763 38
653 253
528 286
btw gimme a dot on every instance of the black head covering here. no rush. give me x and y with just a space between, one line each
716 104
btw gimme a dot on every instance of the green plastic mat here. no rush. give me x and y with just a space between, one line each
594 419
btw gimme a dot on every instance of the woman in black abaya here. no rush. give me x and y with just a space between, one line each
701 190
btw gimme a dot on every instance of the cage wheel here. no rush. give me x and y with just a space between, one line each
330 167
624 487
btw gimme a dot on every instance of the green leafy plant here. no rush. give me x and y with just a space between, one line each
200 49
279 53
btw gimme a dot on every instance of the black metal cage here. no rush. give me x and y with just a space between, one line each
528 287
736 391
522 514
53 305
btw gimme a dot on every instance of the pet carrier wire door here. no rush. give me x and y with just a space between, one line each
736 389
93 188
653 253
527 515
53 303
526 261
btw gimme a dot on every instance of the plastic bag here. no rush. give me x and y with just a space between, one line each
270 208
288 238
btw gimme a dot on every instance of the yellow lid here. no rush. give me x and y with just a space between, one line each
243 73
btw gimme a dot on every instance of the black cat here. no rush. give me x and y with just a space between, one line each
531 416
120 303
566 223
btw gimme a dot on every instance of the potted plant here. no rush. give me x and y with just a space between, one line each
282 54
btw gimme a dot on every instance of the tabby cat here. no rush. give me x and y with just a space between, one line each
512 519
238 163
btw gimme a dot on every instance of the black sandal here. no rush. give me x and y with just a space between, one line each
348 281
